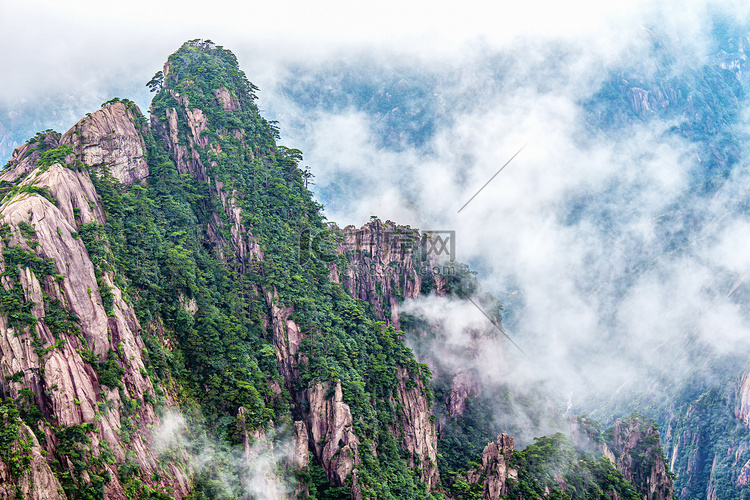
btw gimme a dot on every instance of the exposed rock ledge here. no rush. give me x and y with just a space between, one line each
109 136
495 468
37 482
331 431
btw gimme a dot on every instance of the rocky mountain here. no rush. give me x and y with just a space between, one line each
581 465
637 450
66 326
137 282
178 321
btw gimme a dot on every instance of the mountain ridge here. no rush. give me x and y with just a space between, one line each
154 268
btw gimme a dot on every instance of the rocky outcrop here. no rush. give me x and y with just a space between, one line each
286 337
464 385
635 444
109 136
37 481
382 267
186 155
495 472
742 408
25 156
418 427
226 100
325 426
743 479
331 433
301 456
41 218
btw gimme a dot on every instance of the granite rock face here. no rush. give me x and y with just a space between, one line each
41 218
330 423
326 428
495 472
37 482
226 100
418 428
381 267
464 385
636 445
742 408
109 136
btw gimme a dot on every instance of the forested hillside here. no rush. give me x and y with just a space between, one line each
178 320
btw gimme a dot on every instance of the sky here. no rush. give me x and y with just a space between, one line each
594 307
47 45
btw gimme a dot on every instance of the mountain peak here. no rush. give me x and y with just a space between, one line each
203 67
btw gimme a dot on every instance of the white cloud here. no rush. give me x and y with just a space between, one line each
259 468
507 74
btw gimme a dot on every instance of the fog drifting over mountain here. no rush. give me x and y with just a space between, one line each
613 268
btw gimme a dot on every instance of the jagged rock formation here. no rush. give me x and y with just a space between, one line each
384 266
208 129
331 432
153 266
495 473
637 449
418 428
707 442
36 481
742 408
46 261
633 446
186 157
328 423
109 136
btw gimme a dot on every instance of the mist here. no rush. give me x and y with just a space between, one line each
255 470
620 270
616 267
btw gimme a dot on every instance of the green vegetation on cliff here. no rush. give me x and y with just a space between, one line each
246 331
172 245
553 468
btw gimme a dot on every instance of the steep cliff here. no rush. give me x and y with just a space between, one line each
177 274
637 449
71 345
551 467
392 267
24 471
336 371
707 440
495 474
154 269
384 266
110 136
